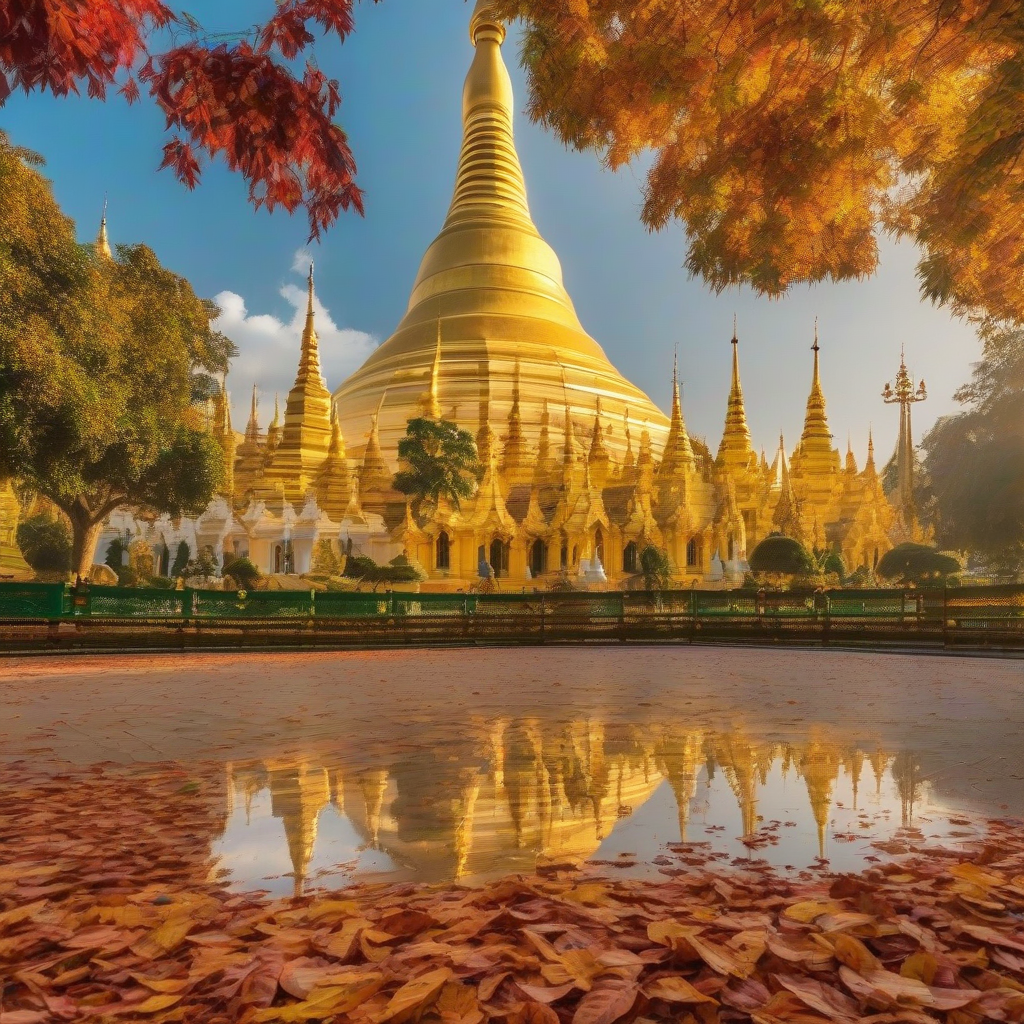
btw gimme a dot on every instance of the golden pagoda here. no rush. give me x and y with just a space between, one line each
295 463
489 276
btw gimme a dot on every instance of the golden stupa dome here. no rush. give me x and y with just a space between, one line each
489 292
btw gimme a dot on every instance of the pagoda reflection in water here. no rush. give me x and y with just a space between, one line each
516 793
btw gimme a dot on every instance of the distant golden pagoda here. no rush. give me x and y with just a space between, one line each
497 287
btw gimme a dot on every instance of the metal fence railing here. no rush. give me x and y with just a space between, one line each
991 615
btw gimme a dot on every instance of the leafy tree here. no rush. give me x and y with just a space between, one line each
655 568
202 566
99 362
781 556
973 480
115 554
244 573
398 570
916 563
241 100
181 559
830 563
46 544
441 461
788 135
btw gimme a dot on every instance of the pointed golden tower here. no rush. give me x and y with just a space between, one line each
273 434
678 455
375 477
815 456
102 243
334 481
249 457
306 437
516 459
225 435
735 449
598 460
499 281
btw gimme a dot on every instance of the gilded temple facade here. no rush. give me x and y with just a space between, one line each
580 469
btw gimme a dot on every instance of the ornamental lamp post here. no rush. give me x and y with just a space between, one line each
904 395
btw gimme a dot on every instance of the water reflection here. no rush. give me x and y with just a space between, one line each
503 796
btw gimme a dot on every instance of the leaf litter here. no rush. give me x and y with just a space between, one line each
112 910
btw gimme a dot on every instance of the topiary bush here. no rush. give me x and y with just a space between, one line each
45 543
781 556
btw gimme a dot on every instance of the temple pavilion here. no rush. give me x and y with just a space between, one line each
581 470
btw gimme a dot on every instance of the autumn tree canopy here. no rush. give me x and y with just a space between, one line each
787 135
240 100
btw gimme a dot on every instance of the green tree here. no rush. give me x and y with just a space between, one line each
100 362
181 559
46 544
973 472
917 563
243 572
655 568
441 462
777 555
398 570
787 136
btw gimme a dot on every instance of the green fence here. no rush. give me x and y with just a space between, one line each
963 608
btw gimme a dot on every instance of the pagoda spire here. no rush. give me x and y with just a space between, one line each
598 459
816 439
102 243
252 428
678 452
736 447
309 361
489 173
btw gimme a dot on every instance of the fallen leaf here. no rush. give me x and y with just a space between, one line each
675 990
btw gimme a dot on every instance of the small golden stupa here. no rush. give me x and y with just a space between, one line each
489 314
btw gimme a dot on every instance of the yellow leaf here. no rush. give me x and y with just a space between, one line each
323 1002
415 996
162 984
154 1004
808 910
920 966
675 990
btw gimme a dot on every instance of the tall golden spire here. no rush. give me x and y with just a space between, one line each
252 428
678 452
374 476
102 243
306 438
816 440
736 448
598 460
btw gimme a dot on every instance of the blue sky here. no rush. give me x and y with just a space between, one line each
401 76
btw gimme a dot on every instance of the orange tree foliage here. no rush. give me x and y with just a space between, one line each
241 101
787 134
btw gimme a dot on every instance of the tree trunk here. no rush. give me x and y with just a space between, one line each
85 533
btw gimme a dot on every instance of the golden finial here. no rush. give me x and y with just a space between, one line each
102 244
484 19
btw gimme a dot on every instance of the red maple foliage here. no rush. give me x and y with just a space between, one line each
238 100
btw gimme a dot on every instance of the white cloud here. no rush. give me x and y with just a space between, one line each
268 348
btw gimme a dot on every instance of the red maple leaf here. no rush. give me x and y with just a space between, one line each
241 102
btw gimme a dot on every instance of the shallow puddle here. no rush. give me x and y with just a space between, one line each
492 798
